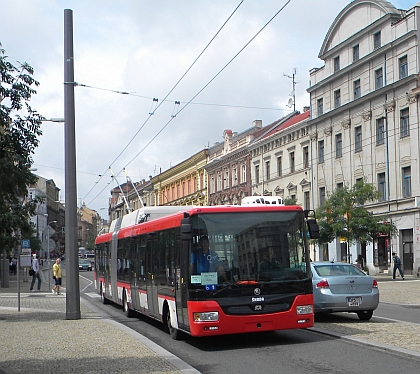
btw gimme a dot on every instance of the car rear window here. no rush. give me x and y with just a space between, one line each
337 270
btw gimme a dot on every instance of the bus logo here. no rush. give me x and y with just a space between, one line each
257 291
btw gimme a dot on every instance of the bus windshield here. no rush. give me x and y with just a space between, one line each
247 247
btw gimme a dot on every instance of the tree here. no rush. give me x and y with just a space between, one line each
19 132
344 215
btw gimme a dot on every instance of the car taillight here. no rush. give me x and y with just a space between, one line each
375 284
323 284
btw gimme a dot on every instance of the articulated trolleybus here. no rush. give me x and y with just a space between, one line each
210 270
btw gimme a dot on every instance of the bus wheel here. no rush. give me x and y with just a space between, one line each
175 334
128 312
103 298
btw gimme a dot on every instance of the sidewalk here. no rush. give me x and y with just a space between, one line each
39 339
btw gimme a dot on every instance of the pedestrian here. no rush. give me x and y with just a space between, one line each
35 275
397 265
57 276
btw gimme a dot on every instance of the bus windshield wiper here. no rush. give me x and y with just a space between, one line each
226 287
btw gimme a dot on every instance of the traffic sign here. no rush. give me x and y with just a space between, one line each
26 243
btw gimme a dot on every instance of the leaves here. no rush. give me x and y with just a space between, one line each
344 215
19 133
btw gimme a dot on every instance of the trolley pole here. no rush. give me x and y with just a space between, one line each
72 265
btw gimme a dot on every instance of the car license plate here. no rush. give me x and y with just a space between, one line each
353 301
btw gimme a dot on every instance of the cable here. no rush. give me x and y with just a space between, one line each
176 84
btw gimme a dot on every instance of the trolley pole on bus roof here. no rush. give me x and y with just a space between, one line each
72 264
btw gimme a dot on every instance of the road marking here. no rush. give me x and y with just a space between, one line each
93 295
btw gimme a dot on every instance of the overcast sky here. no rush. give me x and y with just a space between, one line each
143 48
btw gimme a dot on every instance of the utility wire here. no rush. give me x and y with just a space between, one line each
176 84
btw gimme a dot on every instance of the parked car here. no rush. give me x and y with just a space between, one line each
90 257
85 265
342 287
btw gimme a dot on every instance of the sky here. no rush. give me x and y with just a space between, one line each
129 52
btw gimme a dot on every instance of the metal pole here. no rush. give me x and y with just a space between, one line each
72 265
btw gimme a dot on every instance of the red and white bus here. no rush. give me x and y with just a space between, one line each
257 277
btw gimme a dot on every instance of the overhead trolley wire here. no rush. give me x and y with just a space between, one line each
154 99
211 80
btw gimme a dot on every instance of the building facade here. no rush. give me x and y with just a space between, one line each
183 184
365 123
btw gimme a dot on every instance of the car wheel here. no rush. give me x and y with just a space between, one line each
365 315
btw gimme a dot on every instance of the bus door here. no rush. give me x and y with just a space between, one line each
181 282
112 269
152 271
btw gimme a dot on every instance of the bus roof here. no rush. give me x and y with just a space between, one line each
130 227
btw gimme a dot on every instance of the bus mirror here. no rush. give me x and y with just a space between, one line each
186 229
313 228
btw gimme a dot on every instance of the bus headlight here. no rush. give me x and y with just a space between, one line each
304 309
206 316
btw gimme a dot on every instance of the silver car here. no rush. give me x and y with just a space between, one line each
342 287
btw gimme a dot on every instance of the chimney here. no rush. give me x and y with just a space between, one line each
257 123
306 108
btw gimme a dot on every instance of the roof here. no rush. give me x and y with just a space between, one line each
290 122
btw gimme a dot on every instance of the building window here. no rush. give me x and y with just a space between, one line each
306 201
336 64
338 145
279 166
257 174
321 151
267 170
235 177
243 179
356 86
382 186
213 184
406 173
340 186
358 139
321 196
405 123
320 103
337 99
292 162
219 181
377 40
379 79
226 178
305 157
355 52
403 67
380 131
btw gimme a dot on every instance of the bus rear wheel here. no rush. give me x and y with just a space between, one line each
128 312
175 334
103 298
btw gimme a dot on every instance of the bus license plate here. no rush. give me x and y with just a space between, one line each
353 301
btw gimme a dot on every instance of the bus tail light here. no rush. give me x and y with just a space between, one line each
206 316
304 309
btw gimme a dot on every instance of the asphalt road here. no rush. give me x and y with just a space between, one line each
294 351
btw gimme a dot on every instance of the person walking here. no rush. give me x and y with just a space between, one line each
36 275
397 265
57 276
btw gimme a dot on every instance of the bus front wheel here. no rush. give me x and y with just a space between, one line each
175 334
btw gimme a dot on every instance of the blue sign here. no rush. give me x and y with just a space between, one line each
210 287
26 243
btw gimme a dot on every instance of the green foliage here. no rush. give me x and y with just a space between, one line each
290 201
19 132
344 215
